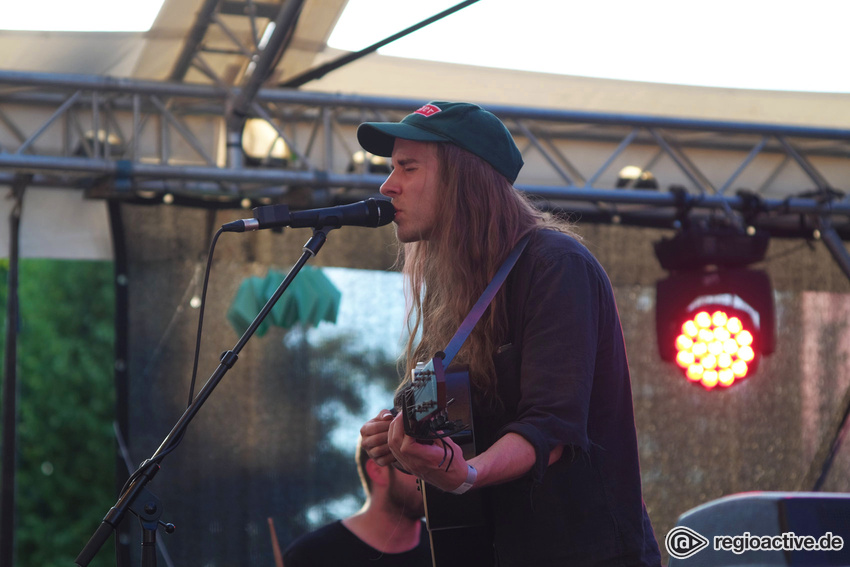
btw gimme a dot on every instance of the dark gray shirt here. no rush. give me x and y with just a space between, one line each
334 545
563 379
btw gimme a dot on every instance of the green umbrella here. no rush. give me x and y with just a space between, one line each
310 298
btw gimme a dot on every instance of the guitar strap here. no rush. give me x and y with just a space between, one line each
481 305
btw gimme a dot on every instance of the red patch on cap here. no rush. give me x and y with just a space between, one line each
428 110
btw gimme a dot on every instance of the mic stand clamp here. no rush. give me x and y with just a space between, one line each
148 508
137 498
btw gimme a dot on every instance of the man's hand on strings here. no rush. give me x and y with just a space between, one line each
439 463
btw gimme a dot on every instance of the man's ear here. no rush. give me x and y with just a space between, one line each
377 474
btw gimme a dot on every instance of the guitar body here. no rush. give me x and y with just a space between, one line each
457 524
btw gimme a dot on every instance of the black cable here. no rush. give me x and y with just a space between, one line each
446 449
201 316
322 70
150 463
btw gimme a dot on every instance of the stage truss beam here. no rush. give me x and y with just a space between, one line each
164 138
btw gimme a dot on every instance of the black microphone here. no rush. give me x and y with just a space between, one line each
371 213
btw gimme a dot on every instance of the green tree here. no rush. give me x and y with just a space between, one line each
66 451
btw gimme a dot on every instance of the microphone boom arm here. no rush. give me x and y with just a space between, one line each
146 471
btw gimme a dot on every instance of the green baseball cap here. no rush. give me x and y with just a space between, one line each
463 124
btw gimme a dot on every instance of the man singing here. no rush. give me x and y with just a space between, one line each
547 361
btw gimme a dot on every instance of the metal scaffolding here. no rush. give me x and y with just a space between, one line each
142 140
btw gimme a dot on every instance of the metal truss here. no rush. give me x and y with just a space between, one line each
254 33
137 140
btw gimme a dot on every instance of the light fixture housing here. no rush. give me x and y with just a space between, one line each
263 146
633 177
365 162
699 247
709 276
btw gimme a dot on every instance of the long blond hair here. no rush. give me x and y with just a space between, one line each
480 219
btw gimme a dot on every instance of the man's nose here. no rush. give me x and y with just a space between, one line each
389 188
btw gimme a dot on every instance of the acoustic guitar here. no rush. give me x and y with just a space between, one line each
437 404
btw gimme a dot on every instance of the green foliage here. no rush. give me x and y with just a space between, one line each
66 406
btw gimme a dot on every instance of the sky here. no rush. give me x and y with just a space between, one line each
752 44
79 15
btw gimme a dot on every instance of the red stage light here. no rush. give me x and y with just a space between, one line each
715 325
719 352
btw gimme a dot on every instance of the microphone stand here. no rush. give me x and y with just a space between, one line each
137 498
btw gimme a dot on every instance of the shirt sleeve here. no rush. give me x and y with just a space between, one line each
559 333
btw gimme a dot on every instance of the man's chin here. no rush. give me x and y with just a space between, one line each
408 237
416 514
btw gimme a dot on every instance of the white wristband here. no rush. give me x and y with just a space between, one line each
471 475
